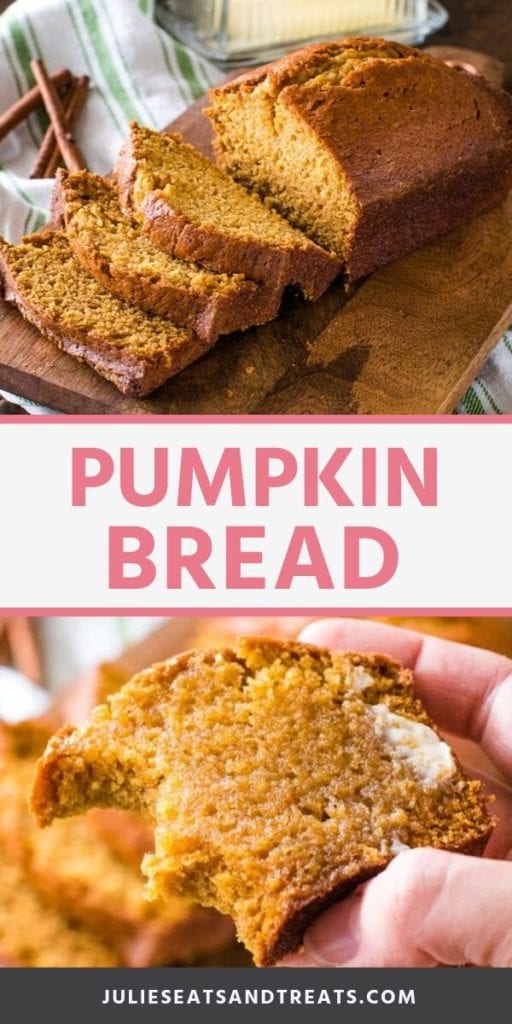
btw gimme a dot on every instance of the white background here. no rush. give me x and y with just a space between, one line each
456 556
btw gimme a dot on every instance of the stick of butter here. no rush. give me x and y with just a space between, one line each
260 23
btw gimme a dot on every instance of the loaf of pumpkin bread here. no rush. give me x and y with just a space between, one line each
370 147
278 777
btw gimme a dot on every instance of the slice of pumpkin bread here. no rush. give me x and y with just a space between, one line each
192 209
278 776
113 248
369 146
136 351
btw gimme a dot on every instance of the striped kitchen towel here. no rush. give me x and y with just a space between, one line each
138 72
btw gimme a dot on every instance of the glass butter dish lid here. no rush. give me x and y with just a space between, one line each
238 32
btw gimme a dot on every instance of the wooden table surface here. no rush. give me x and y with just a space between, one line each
480 25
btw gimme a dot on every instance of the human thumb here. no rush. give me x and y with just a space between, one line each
427 908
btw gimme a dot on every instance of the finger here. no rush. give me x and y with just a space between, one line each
427 908
297 960
466 690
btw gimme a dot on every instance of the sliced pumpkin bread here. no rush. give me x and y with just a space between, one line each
121 258
136 351
192 209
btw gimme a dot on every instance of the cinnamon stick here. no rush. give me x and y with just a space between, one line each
24 648
67 145
48 142
4 645
49 155
74 106
26 104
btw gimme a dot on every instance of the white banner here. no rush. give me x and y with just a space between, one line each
194 516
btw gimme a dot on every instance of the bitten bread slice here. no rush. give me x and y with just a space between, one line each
75 871
113 248
134 350
192 209
278 775
371 147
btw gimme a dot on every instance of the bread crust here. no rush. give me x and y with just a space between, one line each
308 61
131 373
209 314
313 269
387 231
422 147
300 916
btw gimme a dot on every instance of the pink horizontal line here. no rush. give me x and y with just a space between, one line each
217 612
170 419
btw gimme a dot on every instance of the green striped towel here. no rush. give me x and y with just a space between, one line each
137 71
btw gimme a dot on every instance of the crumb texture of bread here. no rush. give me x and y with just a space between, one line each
369 146
76 869
135 350
113 248
192 209
278 776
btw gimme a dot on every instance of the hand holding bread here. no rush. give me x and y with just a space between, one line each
430 907
278 777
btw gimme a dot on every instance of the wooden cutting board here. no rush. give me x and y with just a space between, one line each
409 340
